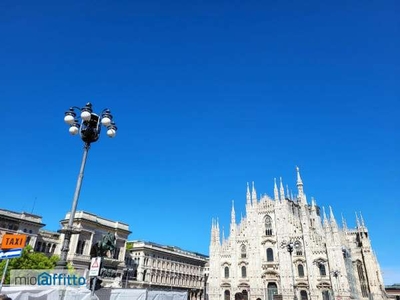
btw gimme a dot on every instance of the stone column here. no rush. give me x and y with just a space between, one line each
90 244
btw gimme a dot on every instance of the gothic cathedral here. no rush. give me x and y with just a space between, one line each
285 248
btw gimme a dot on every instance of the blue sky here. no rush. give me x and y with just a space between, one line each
207 95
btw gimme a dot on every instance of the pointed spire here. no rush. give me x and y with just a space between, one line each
248 201
299 184
223 234
299 181
313 205
357 221
276 195
291 195
332 217
253 194
326 222
344 224
212 231
282 191
360 233
233 215
362 220
287 192
217 233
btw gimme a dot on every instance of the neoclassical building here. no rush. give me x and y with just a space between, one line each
21 223
91 228
286 248
156 266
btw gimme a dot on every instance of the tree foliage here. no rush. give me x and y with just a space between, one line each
129 246
29 260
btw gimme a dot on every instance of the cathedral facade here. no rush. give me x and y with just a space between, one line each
286 248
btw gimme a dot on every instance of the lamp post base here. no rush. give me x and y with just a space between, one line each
62 263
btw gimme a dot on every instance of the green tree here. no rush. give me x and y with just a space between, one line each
129 246
29 260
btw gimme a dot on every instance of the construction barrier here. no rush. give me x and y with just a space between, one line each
35 293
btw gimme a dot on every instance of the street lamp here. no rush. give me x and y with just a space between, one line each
89 129
290 246
206 274
127 276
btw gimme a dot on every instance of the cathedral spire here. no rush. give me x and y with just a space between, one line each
212 231
287 192
253 194
276 195
299 181
248 200
326 222
344 224
358 226
357 222
282 191
313 205
223 234
233 215
217 233
301 197
362 220
332 218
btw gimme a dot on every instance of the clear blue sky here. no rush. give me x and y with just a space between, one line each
207 95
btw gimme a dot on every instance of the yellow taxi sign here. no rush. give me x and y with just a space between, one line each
13 241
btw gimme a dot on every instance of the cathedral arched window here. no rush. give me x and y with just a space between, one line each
245 295
325 295
243 251
244 272
300 270
268 226
270 254
322 269
303 295
227 295
272 290
226 272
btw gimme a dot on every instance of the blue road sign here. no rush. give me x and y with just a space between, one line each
13 253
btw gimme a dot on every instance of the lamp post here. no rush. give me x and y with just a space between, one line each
127 276
206 274
290 246
89 129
